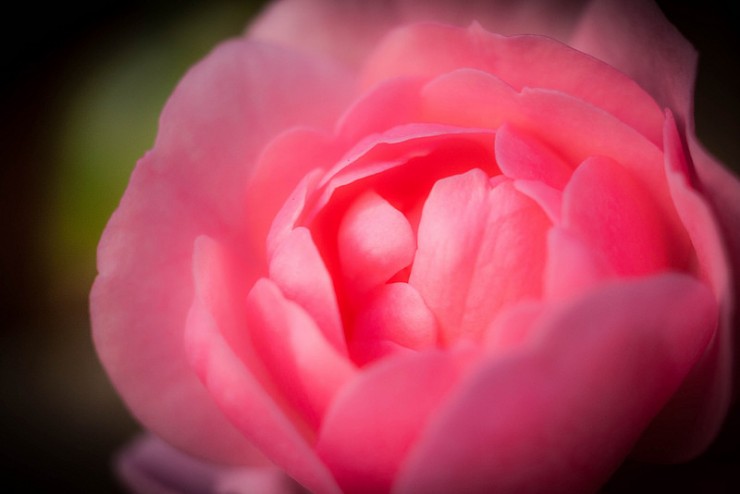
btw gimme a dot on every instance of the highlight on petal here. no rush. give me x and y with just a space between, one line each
375 241
574 400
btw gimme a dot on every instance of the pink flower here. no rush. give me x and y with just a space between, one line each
400 256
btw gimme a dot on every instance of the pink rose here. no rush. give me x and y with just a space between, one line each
400 256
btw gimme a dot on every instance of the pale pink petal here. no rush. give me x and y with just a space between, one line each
394 319
522 157
228 107
375 242
345 30
304 365
375 421
429 50
471 240
573 266
635 37
150 466
548 198
262 417
699 407
298 270
613 214
564 410
138 306
394 102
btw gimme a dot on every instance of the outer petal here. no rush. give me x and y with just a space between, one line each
564 411
150 466
349 29
207 137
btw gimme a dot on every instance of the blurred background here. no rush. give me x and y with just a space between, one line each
81 90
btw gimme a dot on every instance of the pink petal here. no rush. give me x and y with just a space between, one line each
635 37
562 413
282 165
395 319
573 266
429 50
304 365
249 402
138 306
375 421
522 157
614 215
701 404
375 242
298 270
471 240
150 466
574 128
391 103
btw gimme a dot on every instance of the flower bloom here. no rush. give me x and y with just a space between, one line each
389 249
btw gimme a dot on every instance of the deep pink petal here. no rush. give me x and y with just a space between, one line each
138 306
394 319
701 404
251 403
471 240
301 361
564 411
375 421
429 50
613 214
297 269
375 242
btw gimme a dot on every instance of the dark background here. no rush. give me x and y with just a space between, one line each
80 89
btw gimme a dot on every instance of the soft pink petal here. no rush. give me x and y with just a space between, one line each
546 197
138 306
375 242
635 37
150 466
395 318
699 407
350 29
304 365
261 416
298 270
429 50
471 240
613 214
280 168
228 107
394 102
522 157
512 328
565 410
375 420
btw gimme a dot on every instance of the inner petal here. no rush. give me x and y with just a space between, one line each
481 247
375 242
